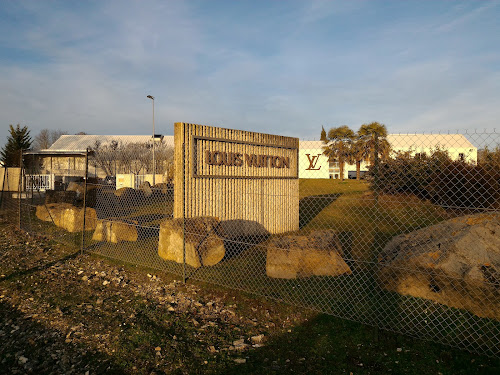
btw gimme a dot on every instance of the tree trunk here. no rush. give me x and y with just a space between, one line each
358 170
341 166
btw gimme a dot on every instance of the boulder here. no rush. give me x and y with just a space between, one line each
241 230
60 196
455 263
163 187
79 189
125 191
204 241
129 197
79 193
115 231
67 216
320 254
91 195
145 187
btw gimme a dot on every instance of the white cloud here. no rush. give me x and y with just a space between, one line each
465 16
98 64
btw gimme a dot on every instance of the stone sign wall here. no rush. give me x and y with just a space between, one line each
236 175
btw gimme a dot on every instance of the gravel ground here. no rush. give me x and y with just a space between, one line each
63 312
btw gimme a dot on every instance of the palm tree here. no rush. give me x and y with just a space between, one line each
374 136
359 153
338 146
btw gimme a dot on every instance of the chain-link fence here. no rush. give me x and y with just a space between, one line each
50 199
401 232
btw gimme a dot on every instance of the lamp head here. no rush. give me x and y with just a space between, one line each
150 97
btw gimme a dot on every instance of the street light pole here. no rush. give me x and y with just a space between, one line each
154 163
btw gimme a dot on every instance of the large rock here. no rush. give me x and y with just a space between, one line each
204 241
91 198
60 196
243 230
320 254
67 216
129 197
456 263
79 193
115 231
76 187
164 188
145 187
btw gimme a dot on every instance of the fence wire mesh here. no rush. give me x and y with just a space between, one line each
401 232
50 196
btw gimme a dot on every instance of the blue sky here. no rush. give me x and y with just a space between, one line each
280 67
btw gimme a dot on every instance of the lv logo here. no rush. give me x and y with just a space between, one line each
313 161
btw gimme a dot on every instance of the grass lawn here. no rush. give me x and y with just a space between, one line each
364 224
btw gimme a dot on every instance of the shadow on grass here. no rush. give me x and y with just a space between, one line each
311 206
330 345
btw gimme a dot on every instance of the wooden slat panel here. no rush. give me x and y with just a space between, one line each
269 197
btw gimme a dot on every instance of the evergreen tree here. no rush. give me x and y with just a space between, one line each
323 134
19 139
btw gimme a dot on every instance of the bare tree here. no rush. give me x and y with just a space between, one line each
133 156
136 158
46 138
139 157
165 156
104 156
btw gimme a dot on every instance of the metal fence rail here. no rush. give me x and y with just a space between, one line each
401 232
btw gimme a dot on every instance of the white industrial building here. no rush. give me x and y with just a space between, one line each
314 164
65 159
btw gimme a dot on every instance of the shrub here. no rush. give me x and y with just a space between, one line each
438 178
463 185
405 173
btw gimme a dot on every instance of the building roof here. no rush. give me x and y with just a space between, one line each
429 141
81 142
406 141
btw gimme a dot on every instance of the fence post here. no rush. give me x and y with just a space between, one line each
19 186
85 197
183 206
31 177
376 167
5 174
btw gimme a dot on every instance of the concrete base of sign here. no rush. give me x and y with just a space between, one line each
204 244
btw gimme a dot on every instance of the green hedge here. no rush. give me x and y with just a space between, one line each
436 177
